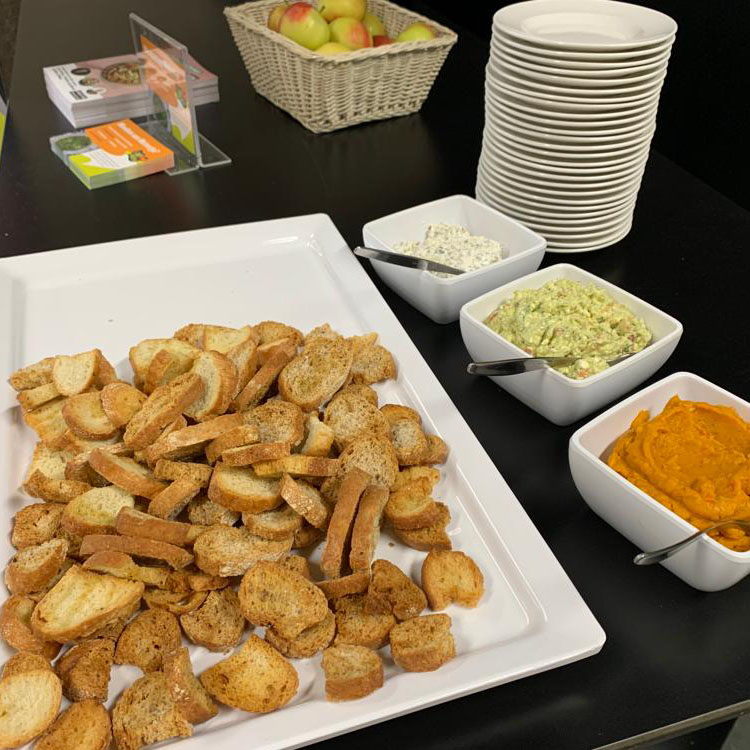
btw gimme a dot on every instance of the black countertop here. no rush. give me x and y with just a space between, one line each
674 657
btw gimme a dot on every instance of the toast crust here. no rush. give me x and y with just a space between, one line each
351 672
136 547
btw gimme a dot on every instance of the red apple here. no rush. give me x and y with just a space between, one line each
303 24
274 17
380 40
351 33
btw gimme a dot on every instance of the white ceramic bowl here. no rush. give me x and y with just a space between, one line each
555 396
706 564
441 299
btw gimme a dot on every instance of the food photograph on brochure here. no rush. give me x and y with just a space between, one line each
383 396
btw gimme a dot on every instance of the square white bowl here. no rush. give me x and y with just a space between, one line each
441 299
705 564
555 396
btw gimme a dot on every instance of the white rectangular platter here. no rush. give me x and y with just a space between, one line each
299 271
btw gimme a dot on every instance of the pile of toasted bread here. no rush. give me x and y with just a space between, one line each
173 506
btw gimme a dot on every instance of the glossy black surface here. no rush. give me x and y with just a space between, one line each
672 653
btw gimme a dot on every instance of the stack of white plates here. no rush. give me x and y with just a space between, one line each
571 94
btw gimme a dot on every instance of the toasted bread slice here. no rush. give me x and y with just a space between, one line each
272 594
245 434
146 713
374 454
260 383
29 702
315 374
361 342
77 445
354 583
298 466
112 629
105 373
252 454
83 726
192 700
351 672
411 473
81 602
125 473
411 506
169 503
85 670
95 511
323 331
192 334
161 408
363 391
205 512
391 590
219 377
120 565
307 536
32 568
308 642
430 537
15 628
423 643
254 678
349 416
165 366
266 351
76 374
48 423
298 564
217 624
32 376
409 442
277 524
279 422
437 450
121 402
24 661
366 530
206 582
357 626
223 339
305 500
226 551
36 524
372 364
35 397
199 474
134 523
177 602
147 638
396 412
137 547
319 437
46 476
143 353
190 441
451 576
341 524
270 330
240 488
86 418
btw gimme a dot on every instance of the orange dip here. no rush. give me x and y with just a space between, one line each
694 458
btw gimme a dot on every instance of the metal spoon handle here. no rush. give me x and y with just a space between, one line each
515 366
658 555
409 261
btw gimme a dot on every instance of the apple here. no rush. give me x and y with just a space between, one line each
332 48
274 17
303 24
417 32
351 33
333 9
374 24
380 40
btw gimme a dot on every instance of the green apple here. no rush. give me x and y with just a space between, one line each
417 32
332 48
351 33
274 17
303 24
374 24
333 9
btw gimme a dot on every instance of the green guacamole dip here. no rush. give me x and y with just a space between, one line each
568 319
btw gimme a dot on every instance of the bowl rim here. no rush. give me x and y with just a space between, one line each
602 466
539 242
465 314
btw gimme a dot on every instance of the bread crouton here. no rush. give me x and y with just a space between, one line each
450 576
247 455
147 638
355 625
142 354
86 417
32 376
260 383
305 500
254 678
32 568
412 473
269 331
226 551
280 523
411 506
48 423
121 402
126 473
307 536
95 511
430 537
396 412
137 547
354 583
272 594
217 624
240 488
83 726
134 523
120 565
372 364
298 466
24 661
46 476
298 564
423 643
245 434
318 437
85 670
409 442
278 422
205 512
39 688
437 450
146 713
199 474
308 642
36 397
76 374
349 416
366 530
351 672
219 378
15 628
192 333
170 502
35 524
178 603
192 700
363 391
165 366
391 590
374 454
266 351
323 331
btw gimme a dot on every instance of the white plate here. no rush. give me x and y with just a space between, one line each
589 247
586 25
557 118
299 270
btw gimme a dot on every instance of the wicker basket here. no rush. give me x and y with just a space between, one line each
327 93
